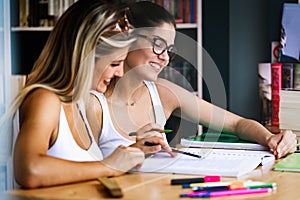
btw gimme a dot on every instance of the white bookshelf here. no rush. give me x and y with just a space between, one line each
6 177
186 25
15 29
199 54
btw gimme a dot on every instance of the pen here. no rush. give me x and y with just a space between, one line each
253 186
226 183
191 194
188 181
161 131
232 192
210 188
174 150
234 187
186 153
224 193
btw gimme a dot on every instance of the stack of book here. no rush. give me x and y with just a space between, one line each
289 109
274 78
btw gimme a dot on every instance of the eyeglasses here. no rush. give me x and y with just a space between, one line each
159 46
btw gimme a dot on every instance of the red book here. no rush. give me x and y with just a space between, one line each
187 13
180 7
276 69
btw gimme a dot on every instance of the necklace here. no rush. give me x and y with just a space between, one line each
131 103
135 97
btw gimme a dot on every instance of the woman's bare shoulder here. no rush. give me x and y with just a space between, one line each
41 102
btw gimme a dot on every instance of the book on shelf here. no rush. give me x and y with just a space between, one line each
291 163
289 109
182 73
220 141
287 76
265 93
296 75
276 76
41 13
24 12
184 11
222 162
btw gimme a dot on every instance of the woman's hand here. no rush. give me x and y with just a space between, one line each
152 134
124 159
283 143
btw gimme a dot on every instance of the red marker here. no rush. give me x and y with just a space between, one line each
187 181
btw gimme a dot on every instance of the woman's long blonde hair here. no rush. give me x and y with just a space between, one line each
66 63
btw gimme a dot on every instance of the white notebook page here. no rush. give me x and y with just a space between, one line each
221 162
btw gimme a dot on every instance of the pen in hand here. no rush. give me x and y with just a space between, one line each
174 150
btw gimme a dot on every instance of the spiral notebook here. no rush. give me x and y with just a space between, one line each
222 162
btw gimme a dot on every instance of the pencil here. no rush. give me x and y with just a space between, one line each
186 153
161 131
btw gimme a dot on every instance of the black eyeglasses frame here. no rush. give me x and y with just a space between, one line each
171 54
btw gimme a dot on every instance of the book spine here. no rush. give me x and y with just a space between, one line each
33 18
287 76
265 93
187 13
276 69
24 12
179 7
192 10
172 8
296 76
43 12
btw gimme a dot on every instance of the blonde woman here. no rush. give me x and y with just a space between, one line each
54 143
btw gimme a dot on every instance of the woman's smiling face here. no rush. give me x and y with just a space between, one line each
108 67
143 59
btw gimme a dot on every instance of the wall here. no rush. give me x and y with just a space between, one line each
248 47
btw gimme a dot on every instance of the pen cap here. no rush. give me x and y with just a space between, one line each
212 178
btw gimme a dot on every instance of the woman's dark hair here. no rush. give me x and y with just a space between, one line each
148 14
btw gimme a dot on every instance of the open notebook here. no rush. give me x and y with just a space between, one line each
223 162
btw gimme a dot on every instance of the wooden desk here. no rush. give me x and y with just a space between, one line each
157 187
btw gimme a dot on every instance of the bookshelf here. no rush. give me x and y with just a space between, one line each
27 42
6 94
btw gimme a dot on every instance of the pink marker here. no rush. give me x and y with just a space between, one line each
233 192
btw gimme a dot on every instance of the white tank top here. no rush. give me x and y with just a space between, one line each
110 138
65 146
